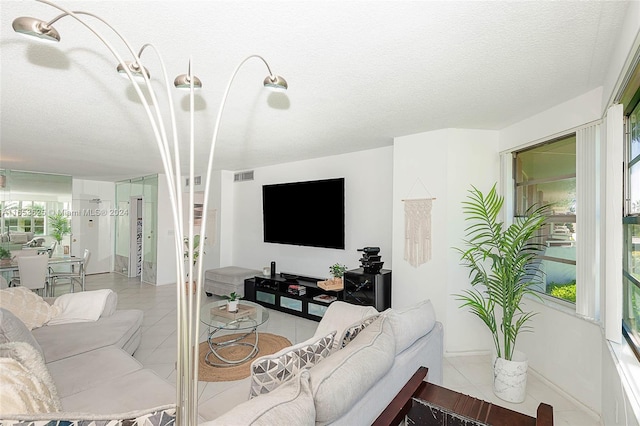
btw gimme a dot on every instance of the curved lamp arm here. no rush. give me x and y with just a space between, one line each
216 129
186 414
188 322
157 124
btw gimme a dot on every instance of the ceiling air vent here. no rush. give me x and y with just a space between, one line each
196 179
242 176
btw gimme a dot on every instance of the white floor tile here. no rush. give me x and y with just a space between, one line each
470 375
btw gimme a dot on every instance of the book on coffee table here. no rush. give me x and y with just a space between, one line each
243 311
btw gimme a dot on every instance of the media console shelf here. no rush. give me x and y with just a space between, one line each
277 293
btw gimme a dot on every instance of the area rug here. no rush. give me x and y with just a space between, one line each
267 344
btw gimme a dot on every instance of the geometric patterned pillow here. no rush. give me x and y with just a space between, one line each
351 332
270 371
157 416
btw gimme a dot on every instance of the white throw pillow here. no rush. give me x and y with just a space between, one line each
343 378
411 323
85 306
290 404
32 309
25 383
270 371
339 316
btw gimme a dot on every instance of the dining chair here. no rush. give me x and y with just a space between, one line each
52 248
74 276
34 273
3 282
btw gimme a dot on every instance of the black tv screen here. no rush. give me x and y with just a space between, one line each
304 213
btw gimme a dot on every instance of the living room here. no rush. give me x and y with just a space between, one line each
569 350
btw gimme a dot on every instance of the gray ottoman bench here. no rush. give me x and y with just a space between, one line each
223 281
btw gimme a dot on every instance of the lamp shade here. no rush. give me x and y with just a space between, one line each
276 82
134 68
183 82
37 28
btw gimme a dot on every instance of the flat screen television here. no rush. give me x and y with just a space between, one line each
304 213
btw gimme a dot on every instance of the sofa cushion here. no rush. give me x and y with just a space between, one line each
343 378
32 309
411 323
291 404
14 330
141 389
25 383
83 371
65 340
270 371
353 330
339 316
20 237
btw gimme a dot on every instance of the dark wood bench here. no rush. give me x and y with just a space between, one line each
424 403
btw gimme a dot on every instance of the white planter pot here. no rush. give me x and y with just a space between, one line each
232 306
510 377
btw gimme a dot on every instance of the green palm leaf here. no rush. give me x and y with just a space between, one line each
503 262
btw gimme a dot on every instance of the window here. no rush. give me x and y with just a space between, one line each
546 175
631 229
27 216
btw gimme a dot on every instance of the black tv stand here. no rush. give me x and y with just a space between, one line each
277 293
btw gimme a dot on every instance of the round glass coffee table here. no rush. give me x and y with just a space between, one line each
246 321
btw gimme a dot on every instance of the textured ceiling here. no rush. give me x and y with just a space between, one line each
359 73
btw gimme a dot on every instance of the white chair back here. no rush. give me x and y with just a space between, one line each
85 259
52 248
33 271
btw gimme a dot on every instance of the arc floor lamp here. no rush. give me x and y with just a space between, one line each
188 302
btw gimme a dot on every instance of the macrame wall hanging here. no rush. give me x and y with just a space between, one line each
417 229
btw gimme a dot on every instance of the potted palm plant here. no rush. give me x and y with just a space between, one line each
59 225
503 267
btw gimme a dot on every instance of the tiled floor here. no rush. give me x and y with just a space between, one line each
467 374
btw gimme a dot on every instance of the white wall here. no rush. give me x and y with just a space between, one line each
567 115
368 188
567 351
563 348
446 162
95 232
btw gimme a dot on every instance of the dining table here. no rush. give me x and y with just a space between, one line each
7 269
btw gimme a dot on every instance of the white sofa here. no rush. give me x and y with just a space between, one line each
309 383
91 367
